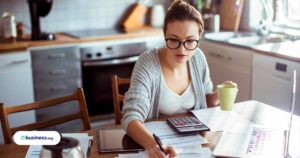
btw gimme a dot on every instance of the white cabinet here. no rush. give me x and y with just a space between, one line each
229 63
272 81
16 86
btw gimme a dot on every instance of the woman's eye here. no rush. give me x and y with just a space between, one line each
173 40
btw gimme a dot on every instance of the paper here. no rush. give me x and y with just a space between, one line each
83 138
188 152
218 120
170 138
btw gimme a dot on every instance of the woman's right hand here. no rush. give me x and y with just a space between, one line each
155 152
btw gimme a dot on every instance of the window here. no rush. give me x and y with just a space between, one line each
293 10
287 13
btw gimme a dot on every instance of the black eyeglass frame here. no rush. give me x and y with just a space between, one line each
181 42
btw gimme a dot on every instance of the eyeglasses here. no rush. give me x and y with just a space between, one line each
175 43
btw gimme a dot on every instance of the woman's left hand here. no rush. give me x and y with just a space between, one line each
229 83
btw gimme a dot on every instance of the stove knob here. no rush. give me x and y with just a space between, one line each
99 54
89 55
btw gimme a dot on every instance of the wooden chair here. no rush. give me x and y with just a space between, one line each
117 97
8 132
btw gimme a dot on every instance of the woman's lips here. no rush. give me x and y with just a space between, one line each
181 55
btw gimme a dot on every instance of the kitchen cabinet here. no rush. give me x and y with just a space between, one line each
229 63
272 81
56 73
16 86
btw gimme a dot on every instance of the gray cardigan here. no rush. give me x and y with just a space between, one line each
141 100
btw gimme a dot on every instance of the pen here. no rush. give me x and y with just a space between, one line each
159 143
90 146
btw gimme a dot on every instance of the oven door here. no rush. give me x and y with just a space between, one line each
97 82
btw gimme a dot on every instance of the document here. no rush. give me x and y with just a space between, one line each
170 138
185 145
218 120
193 152
83 138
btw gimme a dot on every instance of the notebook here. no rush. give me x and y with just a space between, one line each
260 141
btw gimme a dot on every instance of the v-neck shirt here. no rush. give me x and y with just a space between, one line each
171 103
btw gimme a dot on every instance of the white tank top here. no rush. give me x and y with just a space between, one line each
171 103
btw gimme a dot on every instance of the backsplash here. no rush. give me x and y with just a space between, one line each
67 15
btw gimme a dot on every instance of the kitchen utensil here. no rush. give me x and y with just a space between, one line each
157 16
214 23
9 25
134 19
66 148
230 13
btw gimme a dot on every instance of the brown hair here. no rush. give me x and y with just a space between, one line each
181 10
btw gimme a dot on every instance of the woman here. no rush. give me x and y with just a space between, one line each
169 80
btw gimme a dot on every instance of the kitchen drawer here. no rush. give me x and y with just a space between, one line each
57 73
55 56
14 61
47 90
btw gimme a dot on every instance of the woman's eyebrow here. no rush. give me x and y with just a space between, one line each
173 35
188 37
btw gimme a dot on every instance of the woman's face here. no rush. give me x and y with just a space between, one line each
184 31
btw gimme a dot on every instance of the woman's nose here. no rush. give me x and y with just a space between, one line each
181 48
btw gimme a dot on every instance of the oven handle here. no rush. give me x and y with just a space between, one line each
112 62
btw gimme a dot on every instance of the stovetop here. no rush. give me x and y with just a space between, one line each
94 32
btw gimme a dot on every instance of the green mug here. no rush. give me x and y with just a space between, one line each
226 96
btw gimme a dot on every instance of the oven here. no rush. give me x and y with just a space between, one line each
99 62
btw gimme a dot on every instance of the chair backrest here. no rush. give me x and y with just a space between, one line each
8 132
117 97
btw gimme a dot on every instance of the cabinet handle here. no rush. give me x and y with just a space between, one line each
58 88
281 67
57 72
20 61
216 55
56 56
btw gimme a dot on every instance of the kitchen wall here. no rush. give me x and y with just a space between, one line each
69 15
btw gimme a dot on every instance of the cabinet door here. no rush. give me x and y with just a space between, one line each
228 63
16 86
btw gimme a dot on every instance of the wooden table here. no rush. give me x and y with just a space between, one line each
254 111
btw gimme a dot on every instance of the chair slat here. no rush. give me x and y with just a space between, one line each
82 114
117 97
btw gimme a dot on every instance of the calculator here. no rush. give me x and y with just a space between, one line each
187 124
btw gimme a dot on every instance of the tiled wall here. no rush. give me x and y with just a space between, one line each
69 15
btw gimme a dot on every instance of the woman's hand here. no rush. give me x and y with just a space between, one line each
155 152
229 83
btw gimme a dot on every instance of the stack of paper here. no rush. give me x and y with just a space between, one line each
83 138
186 146
186 152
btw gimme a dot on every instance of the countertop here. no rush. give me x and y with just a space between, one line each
288 50
61 38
